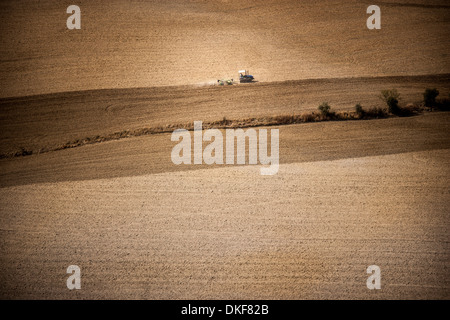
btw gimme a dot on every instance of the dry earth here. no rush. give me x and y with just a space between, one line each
348 194
126 44
228 233
50 120
308 232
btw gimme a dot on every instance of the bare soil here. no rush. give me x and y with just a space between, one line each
309 232
348 194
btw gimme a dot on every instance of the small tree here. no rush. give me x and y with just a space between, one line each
324 109
429 97
360 111
393 105
391 97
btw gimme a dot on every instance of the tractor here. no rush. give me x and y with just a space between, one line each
245 77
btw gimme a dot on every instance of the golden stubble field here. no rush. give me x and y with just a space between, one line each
347 195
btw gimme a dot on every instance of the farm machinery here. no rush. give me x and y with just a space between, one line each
244 77
225 82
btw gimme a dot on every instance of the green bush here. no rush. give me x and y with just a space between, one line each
393 105
385 94
360 111
429 97
324 109
23 152
391 98
375 112
443 104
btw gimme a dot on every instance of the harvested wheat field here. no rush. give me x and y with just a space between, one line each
87 178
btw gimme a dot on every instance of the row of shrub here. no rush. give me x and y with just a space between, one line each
430 101
391 99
